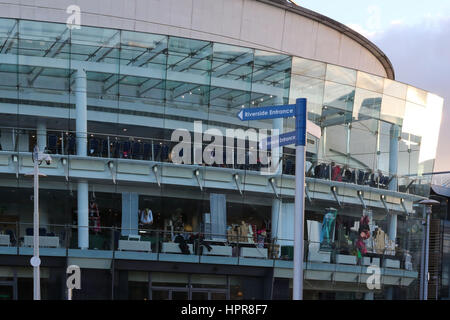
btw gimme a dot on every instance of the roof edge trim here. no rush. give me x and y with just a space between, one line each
352 34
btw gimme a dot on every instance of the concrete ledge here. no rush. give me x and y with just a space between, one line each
178 257
177 172
285 183
104 254
52 252
131 245
88 165
255 262
8 250
218 251
129 255
345 259
173 247
219 260
287 264
389 263
217 176
324 257
256 180
254 253
4 160
133 168
90 263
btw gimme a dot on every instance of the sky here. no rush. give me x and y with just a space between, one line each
414 34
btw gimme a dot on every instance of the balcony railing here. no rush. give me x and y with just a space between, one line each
17 238
159 150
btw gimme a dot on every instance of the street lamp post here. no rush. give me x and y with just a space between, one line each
37 158
428 203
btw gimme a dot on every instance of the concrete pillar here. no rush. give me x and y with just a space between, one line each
81 142
393 156
81 111
41 131
393 170
322 152
83 214
130 208
393 185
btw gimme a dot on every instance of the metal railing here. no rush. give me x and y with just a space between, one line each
232 245
160 150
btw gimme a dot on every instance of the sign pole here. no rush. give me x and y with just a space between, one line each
298 222
299 219
299 136
35 261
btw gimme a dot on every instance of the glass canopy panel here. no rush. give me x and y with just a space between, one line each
43 39
223 99
8 36
370 82
363 144
95 45
271 69
143 50
312 89
51 79
367 105
334 146
395 89
189 56
416 96
9 77
231 62
341 75
7 27
413 121
308 68
8 82
339 96
187 96
392 109
338 104
384 146
420 134
430 138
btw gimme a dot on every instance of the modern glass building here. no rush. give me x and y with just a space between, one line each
104 101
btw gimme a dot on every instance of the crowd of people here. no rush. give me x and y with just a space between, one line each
334 172
130 148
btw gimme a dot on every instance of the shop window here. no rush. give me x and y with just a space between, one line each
164 279
208 281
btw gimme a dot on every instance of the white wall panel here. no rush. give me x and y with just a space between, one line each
247 23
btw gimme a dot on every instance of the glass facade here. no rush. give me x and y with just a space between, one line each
136 89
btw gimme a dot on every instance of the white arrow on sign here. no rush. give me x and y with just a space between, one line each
241 115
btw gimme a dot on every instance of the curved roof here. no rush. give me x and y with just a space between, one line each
287 5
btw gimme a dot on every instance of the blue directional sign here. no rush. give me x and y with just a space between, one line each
267 112
283 140
298 110
300 122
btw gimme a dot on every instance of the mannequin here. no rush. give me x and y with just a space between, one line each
94 216
244 234
147 217
364 234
